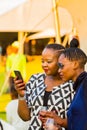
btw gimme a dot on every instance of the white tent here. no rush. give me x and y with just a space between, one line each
31 15
8 5
34 15
43 34
78 9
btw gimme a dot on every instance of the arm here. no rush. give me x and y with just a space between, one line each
23 110
60 121
8 114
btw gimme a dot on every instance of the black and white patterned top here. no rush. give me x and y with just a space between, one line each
59 99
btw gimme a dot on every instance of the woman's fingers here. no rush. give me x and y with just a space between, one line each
19 86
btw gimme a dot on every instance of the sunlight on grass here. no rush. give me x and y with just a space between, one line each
4 99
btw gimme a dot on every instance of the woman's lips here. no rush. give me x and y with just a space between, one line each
61 75
46 70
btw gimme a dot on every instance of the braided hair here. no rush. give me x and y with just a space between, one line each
75 54
56 47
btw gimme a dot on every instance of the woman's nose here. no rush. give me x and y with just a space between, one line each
45 64
59 70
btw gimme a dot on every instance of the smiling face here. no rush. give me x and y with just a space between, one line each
67 68
49 61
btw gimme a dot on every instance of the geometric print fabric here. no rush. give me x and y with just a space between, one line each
59 100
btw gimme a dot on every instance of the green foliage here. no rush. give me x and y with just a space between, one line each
3 115
2 80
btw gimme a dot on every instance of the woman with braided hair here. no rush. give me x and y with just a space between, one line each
71 65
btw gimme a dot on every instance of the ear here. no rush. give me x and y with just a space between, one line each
75 65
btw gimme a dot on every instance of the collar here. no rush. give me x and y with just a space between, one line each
79 80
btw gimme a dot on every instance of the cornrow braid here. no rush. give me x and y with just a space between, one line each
55 46
75 54
58 48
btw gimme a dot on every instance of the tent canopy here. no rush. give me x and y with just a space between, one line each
43 34
29 16
7 5
34 15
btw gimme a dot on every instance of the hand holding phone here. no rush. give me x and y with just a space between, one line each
18 74
19 84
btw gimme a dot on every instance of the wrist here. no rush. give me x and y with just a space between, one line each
21 97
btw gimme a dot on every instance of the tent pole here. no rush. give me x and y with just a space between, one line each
57 26
20 38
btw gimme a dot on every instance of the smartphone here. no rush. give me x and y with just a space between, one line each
18 74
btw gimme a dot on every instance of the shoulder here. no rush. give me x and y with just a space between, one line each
22 56
85 83
37 76
85 91
35 80
68 84
12 104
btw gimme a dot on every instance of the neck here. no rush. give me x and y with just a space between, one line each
77 73
54 77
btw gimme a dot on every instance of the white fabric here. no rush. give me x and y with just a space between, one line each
35 15
13 118
6 126
45 34
7 5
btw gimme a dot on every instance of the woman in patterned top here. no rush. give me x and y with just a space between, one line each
44 89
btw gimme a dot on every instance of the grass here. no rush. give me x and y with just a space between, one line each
4 100
3 115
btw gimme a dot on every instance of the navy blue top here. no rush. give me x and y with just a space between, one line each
77 113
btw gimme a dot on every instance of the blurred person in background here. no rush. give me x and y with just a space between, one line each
9 50
33 46
0 53
44 89
15 61
12 112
